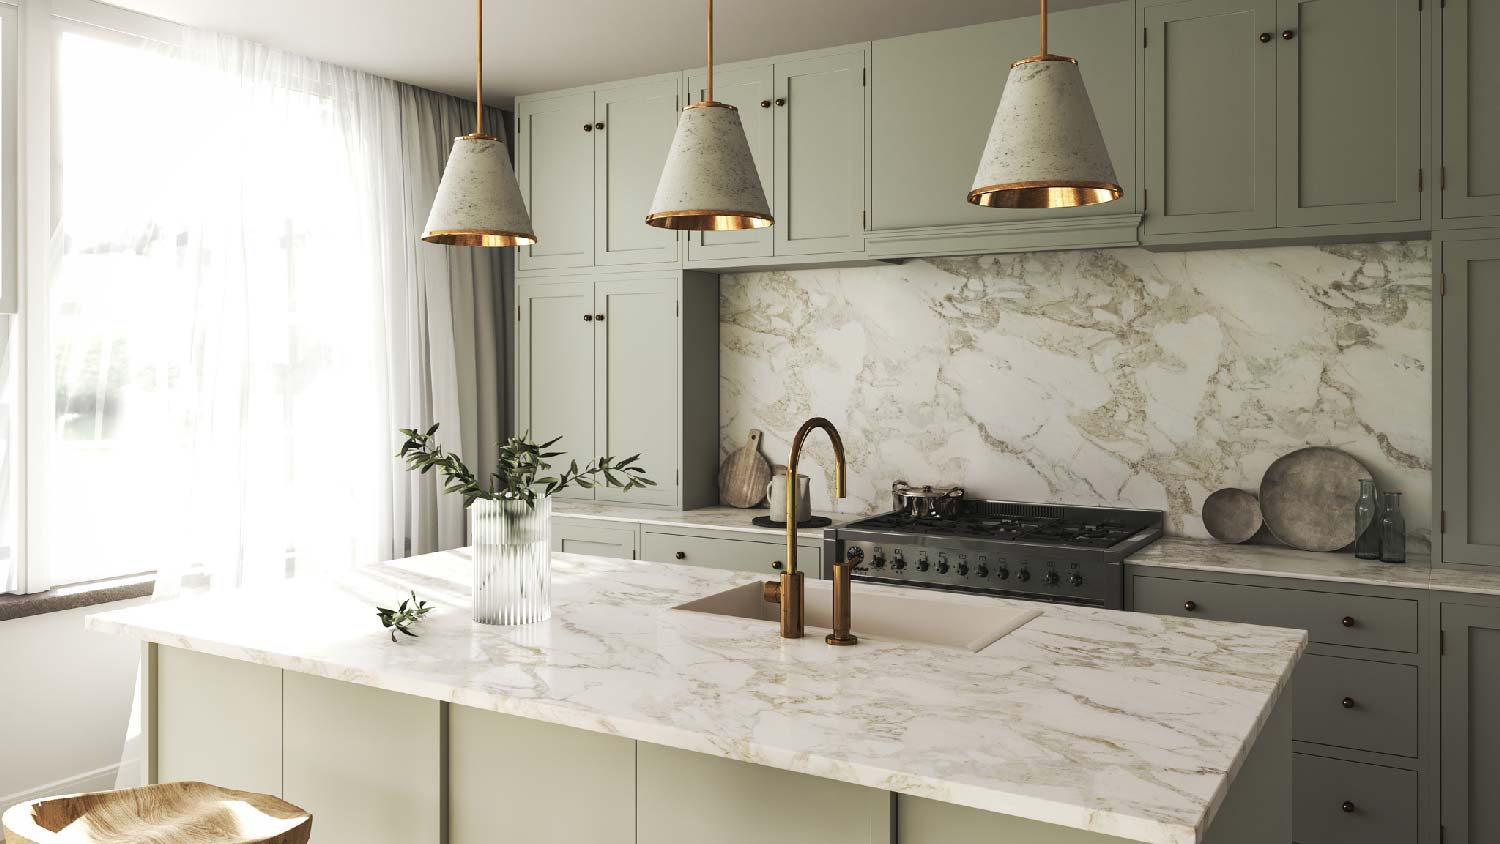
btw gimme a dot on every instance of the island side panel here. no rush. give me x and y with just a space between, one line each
215 720
690 798
512 779
1257 809
368 764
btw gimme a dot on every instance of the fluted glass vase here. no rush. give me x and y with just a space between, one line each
512 560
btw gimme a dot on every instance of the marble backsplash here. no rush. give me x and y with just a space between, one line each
1118 377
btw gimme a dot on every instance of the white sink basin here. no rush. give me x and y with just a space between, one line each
881 614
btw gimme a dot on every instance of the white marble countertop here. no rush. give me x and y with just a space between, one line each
1126 724
1280 561
717 518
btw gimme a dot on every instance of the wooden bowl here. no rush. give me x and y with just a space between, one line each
170 813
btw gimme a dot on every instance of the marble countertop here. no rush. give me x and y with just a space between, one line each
1280 561
717 518
1126 724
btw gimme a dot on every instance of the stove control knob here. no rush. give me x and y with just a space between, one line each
1003 573
942 565
877 560
983 570
856 557
898 562
1023 575
963 569
1050 578
1075 579
923 565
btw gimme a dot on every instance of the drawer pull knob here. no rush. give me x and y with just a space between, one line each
1347 806
1348 703
681 555
1348 621
1190 606
1287 35
776 565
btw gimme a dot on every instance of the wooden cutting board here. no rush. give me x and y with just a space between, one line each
744 475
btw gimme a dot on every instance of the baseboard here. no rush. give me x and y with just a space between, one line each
102 779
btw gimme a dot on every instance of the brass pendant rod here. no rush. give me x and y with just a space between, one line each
479 69
1044 27
710 50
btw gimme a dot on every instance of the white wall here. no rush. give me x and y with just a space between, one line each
65 696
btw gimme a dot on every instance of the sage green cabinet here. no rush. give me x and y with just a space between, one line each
595 537
749 87
819 200
933 97
1290 115
1471 724
608 363
555 167
1348 111
1470 110
555 363
1208 112
633 127
1470 402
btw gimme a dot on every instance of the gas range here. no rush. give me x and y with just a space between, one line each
1014 549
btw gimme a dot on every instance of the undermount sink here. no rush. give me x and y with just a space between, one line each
881 614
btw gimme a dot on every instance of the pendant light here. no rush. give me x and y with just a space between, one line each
710 182
478 201
1045 149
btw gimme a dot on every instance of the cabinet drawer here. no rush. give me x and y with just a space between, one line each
720 553
1357 704
1337 802
595 537
1355 621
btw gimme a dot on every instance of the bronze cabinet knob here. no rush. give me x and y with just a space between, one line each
1346 806
1347 703
1348 621
598 317
777 564
588 127
1265 38
765 103
1190 606
1287 35
681 555
599 125
781 101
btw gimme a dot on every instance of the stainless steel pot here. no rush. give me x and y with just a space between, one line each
927 502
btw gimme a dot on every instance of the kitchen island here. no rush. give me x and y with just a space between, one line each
625 719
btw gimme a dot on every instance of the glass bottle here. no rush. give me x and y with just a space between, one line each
1367 522
1392 529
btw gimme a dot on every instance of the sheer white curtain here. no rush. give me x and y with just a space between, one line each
242 314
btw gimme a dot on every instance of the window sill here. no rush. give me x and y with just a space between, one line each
76 596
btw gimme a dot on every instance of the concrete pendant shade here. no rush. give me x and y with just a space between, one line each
478 201
710 182
1045 149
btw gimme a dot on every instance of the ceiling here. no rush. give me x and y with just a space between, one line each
539 45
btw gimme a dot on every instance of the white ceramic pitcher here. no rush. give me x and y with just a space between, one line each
776 495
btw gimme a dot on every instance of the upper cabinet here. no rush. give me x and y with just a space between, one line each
749 88
1470 136
588 162
819 201
1281 118
933 98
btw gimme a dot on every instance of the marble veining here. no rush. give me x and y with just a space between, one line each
1116 377
716 518
1119 723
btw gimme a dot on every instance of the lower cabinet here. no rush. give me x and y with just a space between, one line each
596 537
1471 724
197 698
1338 801
724 550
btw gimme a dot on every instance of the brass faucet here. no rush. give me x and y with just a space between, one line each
788 592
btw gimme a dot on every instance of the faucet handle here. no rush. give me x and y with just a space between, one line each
770 592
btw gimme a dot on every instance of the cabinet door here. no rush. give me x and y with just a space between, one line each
1210 116
633 127
934 96
195 697
555 166
820 154
1471 728
555 369
1471 401
745 87
595 537
1349 111
1471 111
637 362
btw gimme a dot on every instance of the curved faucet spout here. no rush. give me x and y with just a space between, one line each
839 471
789 591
